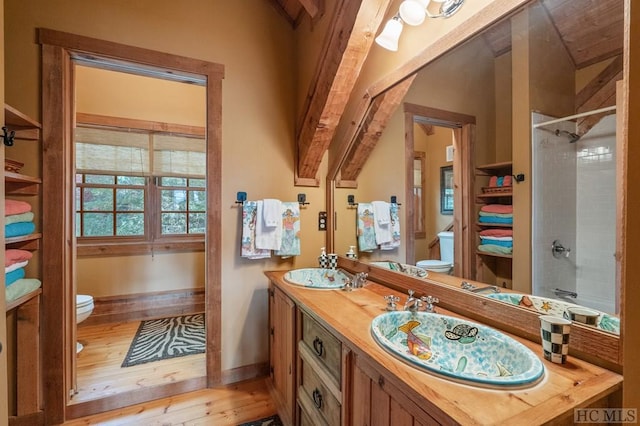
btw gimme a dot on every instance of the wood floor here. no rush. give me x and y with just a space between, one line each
99 374
98 365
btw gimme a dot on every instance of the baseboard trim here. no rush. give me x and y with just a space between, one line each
142 306
246 372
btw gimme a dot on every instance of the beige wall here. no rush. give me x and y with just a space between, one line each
258 119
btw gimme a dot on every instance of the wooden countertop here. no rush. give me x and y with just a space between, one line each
564 387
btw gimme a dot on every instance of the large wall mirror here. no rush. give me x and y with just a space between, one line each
528 87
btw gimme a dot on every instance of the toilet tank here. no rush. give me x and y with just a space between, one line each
446 246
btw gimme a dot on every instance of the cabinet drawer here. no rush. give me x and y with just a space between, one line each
323 345
305 419
318 398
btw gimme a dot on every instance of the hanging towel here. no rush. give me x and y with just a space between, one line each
395 229
497 208
15 207
366 232
269 238
13 276
290 230
19 229
12 256
271 212
382 227
23 217
15 266
249 219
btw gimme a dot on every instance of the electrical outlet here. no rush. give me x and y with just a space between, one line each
322 221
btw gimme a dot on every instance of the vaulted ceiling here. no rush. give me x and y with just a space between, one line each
591 30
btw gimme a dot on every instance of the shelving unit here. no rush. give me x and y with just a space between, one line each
25 310
493 268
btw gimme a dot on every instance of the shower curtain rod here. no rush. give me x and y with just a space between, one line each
571 117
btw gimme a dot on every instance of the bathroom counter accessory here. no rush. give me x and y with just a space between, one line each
425 396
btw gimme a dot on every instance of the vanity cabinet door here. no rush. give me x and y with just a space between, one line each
377 402
282 314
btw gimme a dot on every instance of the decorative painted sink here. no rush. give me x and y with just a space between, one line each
318 278
412 270
457 349
559 308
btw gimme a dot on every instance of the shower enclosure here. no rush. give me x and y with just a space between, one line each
574 212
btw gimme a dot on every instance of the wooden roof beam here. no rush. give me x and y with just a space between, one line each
346 48
599 93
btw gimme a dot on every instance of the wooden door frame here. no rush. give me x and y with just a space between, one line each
57 172
463 127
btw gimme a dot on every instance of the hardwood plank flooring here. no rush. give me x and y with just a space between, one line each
98 365
227 405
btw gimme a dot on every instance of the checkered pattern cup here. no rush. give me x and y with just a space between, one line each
333 260
555 338
323 261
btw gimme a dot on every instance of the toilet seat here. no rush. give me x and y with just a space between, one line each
83 300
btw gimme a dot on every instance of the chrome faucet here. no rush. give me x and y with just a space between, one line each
474 289
429 303
413 303
357 280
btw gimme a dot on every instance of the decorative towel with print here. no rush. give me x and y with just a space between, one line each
395 229
23 217
19 229
290 230
15 207
366 232
249 219
382 227
269 238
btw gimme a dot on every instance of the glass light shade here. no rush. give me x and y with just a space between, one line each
390 35
412 12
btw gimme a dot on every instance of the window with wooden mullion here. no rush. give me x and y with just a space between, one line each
181 205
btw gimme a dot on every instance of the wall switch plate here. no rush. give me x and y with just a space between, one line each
322 221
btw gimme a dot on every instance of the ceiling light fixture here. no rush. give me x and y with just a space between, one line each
413 12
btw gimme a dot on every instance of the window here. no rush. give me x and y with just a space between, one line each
139 187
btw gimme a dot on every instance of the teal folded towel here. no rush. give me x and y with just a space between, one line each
13 276
19 229
495 219
496 242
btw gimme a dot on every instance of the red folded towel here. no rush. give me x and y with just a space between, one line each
496 233
497 208
506 181
15 207
493 181
12 256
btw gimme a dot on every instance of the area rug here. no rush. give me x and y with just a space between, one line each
267 421
166 338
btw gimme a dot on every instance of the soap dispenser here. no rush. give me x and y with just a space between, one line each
323 260
351 254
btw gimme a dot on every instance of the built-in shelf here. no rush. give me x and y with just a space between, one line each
19 184
495 195
22 300
491 169
24 126
484 253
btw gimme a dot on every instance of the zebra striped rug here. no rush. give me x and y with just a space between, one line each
166 338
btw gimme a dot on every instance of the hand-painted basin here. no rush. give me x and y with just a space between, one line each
318 278
546 306
457 349
414 271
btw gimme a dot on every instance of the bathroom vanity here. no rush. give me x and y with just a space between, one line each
327 369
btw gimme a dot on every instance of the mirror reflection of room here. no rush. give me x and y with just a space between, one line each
528 63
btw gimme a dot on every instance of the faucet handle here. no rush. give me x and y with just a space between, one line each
429 303
391 302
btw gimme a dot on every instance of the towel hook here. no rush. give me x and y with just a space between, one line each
394 200
351 200
8 136
302 199
241 197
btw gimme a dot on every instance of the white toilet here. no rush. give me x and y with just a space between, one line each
84 307
445 263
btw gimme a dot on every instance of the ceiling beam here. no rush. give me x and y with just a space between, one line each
598 93
346 47
315 8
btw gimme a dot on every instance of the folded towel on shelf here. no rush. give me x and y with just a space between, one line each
489 238
290 219
382 227
249 220
481 213
495 249
507 181
271 212
499 181
12 256
395 229
22 217
19 229
269 238
15 207
15 266
365 227
495 219
493 181
501 243
20 288
13 276
496 233
497 208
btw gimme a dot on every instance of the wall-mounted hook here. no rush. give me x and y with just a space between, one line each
302 199
351 200
394 200
241 197
519 177
8 136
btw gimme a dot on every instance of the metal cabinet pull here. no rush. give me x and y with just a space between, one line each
317 398
318 346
